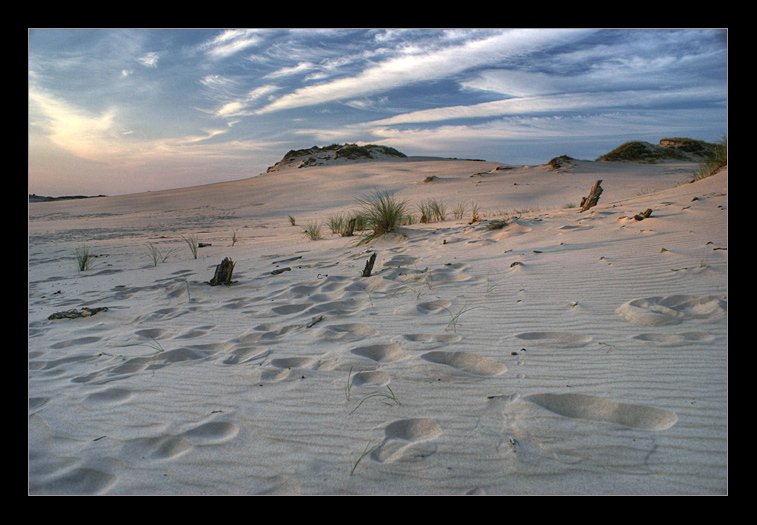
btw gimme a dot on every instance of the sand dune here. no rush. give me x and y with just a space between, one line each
566 353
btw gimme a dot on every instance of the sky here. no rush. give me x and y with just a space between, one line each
116 111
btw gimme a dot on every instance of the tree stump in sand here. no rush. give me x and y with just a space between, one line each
223 273
369 266
591 200
350 228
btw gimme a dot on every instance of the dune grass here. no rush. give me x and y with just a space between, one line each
712 163
192 242
313 230
337 222
432 210
156 255
84 258
383 214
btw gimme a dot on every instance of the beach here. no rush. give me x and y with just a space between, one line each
563 352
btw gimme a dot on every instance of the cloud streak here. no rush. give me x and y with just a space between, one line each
416 66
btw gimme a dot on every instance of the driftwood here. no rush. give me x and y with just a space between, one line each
315 321
369 266
350 228
591 199
223 273
74 314
641 216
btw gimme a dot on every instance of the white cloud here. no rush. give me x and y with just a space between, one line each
231 42
149 60
239 106
288 71
554 104
414 67
85 135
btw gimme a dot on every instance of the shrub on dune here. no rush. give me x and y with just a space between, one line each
383 214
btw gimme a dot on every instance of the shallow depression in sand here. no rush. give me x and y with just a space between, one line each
468 362
676 339
566 338
582 406
371 378
345 332
673 309
381 352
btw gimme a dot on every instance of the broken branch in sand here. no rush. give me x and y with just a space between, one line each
591 199
641 216
223 273
73 314
369 266
314 321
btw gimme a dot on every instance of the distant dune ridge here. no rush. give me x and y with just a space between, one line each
320 156
509 344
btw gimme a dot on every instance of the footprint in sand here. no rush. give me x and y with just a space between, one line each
371 378
75 481
244 354
152 362
211 433
109 396
673 309
424 308
582 406
401 260
195 332
558 338
345 332
306 363
468 362
676 339
172 446
405 436
431 341
76 342
450 273
288 309
343 307
382 352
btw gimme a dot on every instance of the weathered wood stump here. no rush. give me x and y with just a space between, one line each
369 266
350 228
591 199
223 273
74 314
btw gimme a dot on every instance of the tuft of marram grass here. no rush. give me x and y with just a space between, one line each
383 214
84 258
313 230
712 163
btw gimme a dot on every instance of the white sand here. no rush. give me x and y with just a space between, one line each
596 366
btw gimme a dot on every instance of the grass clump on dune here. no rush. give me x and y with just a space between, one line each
84 258
313 230
712 163
383 213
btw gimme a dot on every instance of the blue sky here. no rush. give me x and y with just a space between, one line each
115 111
